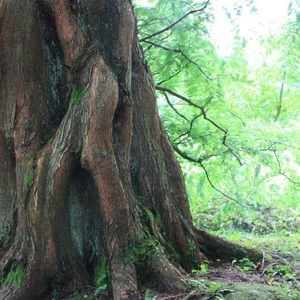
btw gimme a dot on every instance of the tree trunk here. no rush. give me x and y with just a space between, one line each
87 170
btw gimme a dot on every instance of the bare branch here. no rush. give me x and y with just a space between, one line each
175 23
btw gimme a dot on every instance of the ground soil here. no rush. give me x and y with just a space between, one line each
277 277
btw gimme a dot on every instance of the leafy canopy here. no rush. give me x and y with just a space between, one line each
233 120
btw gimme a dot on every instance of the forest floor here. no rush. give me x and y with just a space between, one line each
276 277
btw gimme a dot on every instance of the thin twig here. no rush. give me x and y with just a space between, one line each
175 110
172 76
180 52
280 169
244 124
173 296
222 193
199 161
205 117
187 100
173 24
191 294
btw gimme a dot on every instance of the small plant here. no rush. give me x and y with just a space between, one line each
281 270
212 289
202 269
101 276
245 264
78 152
142 252
217 290
196 284
148 295
14 276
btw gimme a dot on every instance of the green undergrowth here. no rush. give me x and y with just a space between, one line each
102 277
261 221
283 242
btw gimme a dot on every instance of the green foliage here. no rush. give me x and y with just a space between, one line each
148 295
190 258
15 276
78 152
102 276
225 216
150 220
283 270
241 123
202 269
207 289
244 264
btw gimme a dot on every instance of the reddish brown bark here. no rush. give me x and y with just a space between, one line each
84 156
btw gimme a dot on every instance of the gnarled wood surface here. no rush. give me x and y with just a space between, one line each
84 157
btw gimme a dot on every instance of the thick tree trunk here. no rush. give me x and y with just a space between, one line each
87 170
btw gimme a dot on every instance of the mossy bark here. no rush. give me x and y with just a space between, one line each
81 144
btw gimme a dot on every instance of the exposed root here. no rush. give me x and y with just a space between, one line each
218 248
168 278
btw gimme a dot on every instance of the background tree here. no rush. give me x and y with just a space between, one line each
88 174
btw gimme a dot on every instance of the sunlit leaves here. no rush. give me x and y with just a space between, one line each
243 126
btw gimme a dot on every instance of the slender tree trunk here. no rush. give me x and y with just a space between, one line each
87 170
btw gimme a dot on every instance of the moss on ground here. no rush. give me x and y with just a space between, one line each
256 291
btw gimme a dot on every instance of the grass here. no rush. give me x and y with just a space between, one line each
282 242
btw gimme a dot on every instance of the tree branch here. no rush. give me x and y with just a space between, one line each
199 161
187 100
280 170
205 117
279 106
180 52
175 23
167 79
175 110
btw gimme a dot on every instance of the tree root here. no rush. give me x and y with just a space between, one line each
217 248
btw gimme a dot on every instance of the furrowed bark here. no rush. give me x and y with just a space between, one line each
87 169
